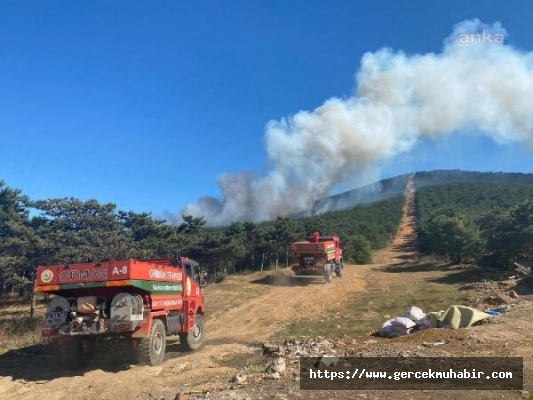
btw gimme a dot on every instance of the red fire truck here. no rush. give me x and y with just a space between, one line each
318 256
141 301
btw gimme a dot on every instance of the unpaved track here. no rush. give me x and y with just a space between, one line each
284 302
404 247
238 330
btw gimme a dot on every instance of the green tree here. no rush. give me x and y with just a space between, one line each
253 239
234 242
357 249
18 243
285 232
510 233
449 234
82 231
191 225
153 238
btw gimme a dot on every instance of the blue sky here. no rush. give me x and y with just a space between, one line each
144 104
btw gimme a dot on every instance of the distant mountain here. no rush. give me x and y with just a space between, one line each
378 191
392 187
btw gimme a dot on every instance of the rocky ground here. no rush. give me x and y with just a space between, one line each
273 371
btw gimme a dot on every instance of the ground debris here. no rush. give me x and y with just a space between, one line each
492 292
293 348
276 366
240 378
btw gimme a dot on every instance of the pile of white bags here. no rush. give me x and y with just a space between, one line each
413 319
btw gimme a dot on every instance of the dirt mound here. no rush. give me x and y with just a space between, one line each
492 293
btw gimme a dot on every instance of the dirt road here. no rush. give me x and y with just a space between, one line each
403 248
26 375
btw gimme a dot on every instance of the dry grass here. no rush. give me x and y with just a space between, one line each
19 331
17 328
365 314
251 362
233 292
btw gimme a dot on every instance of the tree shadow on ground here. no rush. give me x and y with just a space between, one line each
524 287
423 267
410 244
230 340
40 362
463 275
407 258
284 280
460 274
173 350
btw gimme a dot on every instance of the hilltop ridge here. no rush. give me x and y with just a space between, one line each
395 186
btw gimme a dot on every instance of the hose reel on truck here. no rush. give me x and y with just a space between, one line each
126 311
57 312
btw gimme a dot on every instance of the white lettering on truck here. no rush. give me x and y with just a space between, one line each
82 275
166 303
168 275
123 270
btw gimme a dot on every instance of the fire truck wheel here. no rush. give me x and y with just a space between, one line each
193 339
338 269
328 275
151 350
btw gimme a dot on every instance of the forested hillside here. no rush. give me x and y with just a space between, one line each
486 215
63 231
478 221
392 187
382 190
439 177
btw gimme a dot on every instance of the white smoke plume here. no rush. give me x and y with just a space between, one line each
477 82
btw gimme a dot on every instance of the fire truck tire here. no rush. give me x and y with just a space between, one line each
151 350
328 274
338 269
193 339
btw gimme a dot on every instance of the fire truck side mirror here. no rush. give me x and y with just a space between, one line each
202 277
